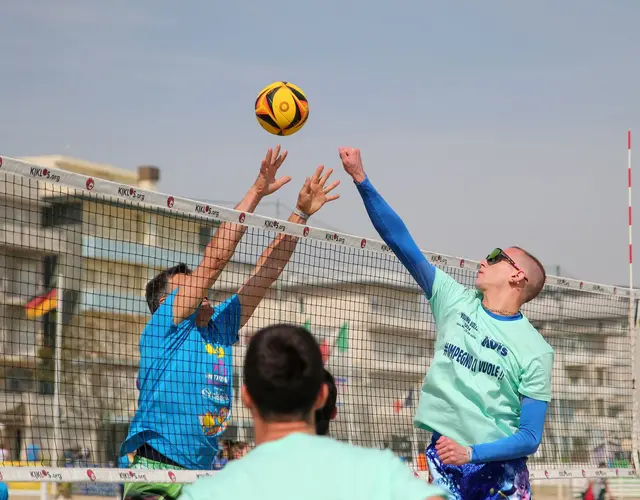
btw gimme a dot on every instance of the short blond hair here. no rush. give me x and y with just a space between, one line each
536 280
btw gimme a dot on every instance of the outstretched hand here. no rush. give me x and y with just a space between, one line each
352 163
451 453
266 183
314 195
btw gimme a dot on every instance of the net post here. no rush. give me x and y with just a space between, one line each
635 430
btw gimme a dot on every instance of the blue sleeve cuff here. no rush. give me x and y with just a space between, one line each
365 181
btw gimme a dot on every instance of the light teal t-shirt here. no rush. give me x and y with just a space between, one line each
314 468
482 366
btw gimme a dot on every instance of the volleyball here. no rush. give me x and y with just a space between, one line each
282 108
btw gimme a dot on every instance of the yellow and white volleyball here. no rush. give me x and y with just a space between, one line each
282 108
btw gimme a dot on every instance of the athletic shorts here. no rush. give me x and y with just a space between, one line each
489 481
151 491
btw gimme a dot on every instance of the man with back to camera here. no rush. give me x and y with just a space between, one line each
485 396
185 349
283 385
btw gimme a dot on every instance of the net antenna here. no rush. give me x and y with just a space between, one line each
631 302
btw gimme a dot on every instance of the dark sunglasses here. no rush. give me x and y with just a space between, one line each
498 256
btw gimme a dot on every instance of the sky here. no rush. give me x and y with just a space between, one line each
483 124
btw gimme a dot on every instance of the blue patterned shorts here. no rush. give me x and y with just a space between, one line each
489 481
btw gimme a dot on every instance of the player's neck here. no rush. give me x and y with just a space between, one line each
272 431
503 303
201 323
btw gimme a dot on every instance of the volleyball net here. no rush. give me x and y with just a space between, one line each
76 253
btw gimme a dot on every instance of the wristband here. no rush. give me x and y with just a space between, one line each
470 453
301 214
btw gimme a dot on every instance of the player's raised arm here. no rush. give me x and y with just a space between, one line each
388 223
194 287
314 195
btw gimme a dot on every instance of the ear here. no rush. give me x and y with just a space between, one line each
322 397
517 277
246 399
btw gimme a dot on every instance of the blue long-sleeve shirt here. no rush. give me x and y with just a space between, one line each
395 234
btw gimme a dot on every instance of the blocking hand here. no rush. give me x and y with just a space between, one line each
314 195
352 163
266 183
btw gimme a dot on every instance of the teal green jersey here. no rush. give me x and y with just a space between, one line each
314 468
483 365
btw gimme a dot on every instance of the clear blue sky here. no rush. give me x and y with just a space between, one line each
482 123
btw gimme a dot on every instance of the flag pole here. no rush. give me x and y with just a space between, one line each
58 369
349 384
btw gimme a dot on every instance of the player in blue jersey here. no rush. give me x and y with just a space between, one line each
486 393
185 375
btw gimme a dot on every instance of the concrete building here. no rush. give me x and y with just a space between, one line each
107 252
41 235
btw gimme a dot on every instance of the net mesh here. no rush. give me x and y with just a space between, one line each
75 256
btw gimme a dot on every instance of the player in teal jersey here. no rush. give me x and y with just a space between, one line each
185 376
283 383
485 396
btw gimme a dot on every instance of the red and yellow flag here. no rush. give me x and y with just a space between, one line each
41 305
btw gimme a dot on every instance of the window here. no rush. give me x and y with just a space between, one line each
204 237
60 214
19 380
565 408
615 411
575 374
115 435
206 233
597 345
50 262
46 363
46 388
600 408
